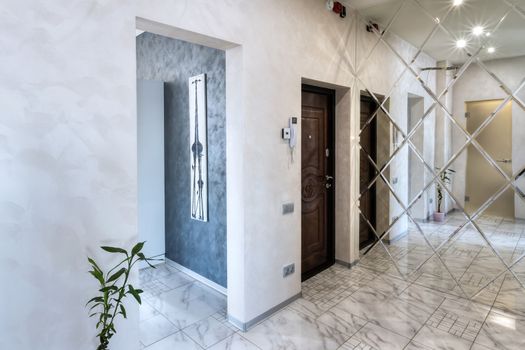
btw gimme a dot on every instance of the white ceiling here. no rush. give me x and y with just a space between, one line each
415 22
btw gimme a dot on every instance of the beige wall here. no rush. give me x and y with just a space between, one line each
467 88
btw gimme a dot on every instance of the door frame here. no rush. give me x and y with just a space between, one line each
365 96
330 225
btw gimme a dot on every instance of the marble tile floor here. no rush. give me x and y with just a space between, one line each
341 309
370 306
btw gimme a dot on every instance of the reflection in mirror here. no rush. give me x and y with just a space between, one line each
442 169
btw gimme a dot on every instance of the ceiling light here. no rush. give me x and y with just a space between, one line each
491 50
461 43
477 30
487 33
457 2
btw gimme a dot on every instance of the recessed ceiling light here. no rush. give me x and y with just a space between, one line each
477 30
461 43
487 33
457 2
491 50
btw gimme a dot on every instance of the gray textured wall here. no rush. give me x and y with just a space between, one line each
198 246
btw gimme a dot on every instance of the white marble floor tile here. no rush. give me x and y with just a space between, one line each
155 329
289 329
146 312
188 312
306 307
176 280
208 332
235 342
395 314
502 331
177 341
343 321
417 346
374 337
441 340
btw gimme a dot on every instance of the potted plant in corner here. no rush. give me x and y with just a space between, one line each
107 305
439 216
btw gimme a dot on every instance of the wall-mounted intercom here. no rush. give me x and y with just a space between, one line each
290 133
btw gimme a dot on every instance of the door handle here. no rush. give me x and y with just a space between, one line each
504 161
328 177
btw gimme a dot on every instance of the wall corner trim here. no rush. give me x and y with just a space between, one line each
198 277
245 326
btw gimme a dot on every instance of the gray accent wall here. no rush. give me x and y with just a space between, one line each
199 246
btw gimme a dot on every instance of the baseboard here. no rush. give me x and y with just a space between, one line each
245 326
198 277
347 264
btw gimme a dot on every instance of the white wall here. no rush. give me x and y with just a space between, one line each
150 146
68 145
476 85
68 172
313 44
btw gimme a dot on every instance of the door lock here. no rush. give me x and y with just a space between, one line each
328 185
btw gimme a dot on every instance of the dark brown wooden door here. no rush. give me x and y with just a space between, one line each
367 172
317 180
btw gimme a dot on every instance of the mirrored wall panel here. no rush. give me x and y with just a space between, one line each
442 145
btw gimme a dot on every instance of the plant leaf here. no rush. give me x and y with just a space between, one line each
135 293
97 299
123 310
98 275
114 250
116 275
94 264
108 289
143 258
137 248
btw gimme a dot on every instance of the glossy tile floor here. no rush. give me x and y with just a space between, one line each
418 302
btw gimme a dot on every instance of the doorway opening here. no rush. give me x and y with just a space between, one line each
367 172
482 180
317 180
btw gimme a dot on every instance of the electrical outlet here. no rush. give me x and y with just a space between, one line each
288 208
288 270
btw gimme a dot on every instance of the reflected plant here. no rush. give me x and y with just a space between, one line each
445 177
114 288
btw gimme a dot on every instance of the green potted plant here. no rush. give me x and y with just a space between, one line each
445 177
107 305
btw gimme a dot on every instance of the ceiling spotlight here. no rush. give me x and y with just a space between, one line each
457 2
461 43
491 50
477 30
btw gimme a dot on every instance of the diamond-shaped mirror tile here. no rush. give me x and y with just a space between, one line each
439 218
500 225
448 144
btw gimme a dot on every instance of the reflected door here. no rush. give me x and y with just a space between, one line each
317 185
367 202
482 180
